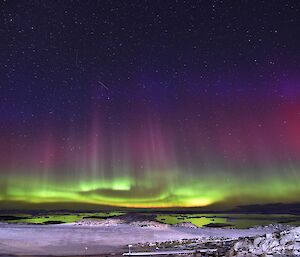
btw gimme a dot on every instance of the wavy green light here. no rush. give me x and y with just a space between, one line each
176 191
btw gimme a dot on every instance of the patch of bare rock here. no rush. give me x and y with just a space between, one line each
186 225
91 222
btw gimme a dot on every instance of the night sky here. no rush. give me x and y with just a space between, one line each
149 103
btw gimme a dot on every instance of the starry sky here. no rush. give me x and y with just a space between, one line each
149 103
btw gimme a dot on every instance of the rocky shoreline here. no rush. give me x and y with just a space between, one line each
279 243
284 243
111 236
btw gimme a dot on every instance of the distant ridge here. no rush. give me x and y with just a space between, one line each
279 208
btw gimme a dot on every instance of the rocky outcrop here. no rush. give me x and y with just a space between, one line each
149 224
134 220
286 243
186 225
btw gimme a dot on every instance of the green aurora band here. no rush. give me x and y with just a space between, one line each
176 191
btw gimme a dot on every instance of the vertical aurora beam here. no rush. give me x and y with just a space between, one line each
227 158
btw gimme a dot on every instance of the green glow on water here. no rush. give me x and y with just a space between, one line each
63 218
232 220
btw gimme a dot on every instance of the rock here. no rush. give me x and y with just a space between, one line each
265 245
257 241
277 249
297 246
186 225
284 243
296 230
242 245
269 236
289 247
286 238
